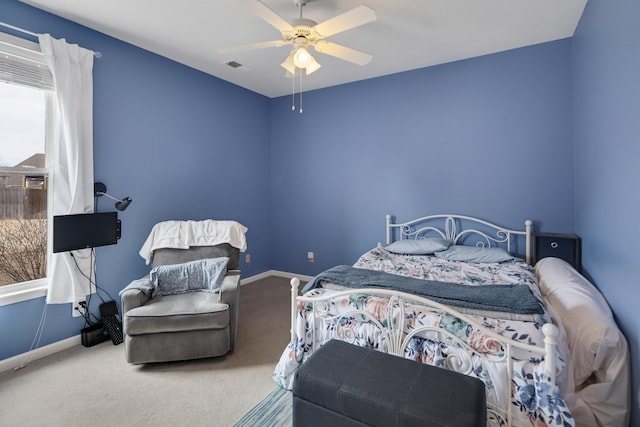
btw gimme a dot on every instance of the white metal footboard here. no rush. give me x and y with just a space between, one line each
392 329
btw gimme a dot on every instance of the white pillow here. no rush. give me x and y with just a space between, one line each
584 313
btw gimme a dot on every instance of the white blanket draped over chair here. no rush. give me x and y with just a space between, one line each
184 234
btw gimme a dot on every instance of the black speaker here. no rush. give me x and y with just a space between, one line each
564 246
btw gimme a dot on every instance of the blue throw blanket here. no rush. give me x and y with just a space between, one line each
504 298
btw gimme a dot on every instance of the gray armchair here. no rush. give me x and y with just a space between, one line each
184 326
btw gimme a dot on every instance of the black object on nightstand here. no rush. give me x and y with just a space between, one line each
564 246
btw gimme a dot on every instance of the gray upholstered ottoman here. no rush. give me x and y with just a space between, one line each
345 385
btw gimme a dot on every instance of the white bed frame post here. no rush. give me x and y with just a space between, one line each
528 225
388 220
295 283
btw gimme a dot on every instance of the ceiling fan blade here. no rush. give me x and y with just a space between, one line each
252 46
342 52
264 12
353 18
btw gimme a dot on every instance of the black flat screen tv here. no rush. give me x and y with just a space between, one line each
81 231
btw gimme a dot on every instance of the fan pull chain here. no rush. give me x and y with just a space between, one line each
293 91
301 73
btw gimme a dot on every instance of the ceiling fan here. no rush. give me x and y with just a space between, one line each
304 33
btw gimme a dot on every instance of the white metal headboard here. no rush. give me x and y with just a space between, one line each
490 234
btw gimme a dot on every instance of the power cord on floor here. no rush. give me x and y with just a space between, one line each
36 339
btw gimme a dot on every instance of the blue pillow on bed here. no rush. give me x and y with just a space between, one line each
425 246
200 275
475 254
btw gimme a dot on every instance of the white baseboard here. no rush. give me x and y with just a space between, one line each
276 273
22 360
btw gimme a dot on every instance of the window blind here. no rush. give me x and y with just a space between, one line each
21 62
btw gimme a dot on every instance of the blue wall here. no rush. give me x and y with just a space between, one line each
182 144
545 132
489 137
606 59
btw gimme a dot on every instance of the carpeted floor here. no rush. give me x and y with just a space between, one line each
96 387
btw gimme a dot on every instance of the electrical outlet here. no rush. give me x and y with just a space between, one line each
78 308
310 257
247 258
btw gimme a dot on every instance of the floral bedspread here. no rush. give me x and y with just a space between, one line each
534 399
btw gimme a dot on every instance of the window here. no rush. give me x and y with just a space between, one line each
25 115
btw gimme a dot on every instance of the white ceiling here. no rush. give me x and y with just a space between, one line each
408 34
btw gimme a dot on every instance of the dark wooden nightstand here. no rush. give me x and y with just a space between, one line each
564 246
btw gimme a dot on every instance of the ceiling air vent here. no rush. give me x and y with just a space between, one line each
237 66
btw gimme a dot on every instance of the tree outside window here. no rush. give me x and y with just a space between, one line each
23 184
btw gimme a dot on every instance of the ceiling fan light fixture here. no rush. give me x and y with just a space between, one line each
302 58
288 64
308 62
313 66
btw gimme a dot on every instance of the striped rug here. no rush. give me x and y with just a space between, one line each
273 411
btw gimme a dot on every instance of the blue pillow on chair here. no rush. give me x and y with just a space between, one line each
200 275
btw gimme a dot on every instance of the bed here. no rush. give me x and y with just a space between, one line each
460 293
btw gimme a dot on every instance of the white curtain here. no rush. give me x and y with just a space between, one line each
72 177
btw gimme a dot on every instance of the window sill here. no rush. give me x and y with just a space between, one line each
12 294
